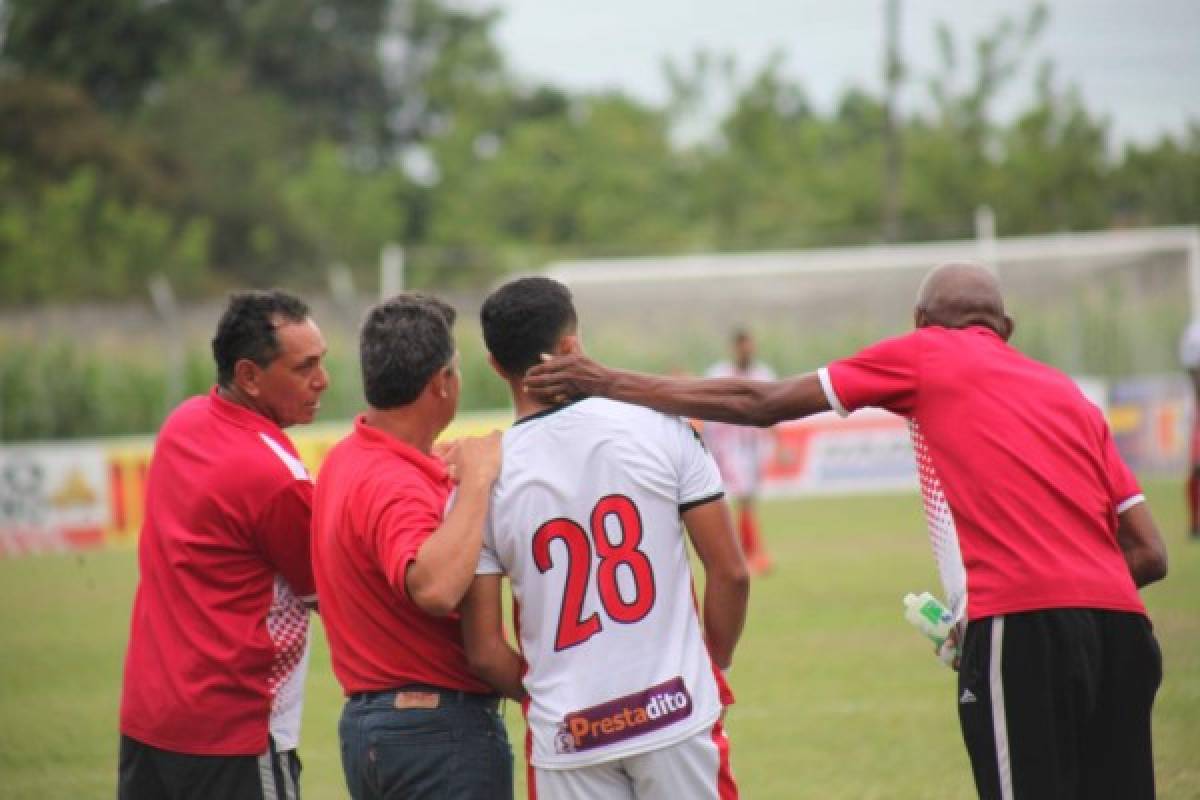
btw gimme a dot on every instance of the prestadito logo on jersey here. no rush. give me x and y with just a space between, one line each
617 720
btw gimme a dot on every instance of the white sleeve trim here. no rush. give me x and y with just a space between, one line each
1129 503
827 386
294 465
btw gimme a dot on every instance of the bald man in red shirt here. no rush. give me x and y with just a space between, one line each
1041 533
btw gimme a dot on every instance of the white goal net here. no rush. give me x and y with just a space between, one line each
1109 303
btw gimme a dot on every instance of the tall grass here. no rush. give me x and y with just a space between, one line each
66 388
63 389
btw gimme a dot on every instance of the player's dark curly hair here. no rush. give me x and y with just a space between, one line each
404 341
247 328
525 318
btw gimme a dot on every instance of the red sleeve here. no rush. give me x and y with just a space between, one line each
883 375
1123 485
402 527
283 534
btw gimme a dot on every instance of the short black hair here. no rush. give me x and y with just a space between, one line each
404 341
247 329
525 318
740 334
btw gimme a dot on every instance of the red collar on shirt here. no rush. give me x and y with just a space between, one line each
372 437
241 416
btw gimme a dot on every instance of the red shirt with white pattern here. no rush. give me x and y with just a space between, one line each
378 499
1021 480
225 539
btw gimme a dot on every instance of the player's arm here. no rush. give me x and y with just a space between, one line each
444 566
727 580
1142 544
736 400
489 654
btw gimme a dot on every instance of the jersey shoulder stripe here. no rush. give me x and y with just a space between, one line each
294 465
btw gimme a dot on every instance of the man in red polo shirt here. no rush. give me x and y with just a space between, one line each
218 643
1040 531
392 563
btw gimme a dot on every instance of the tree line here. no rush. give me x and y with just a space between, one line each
256 142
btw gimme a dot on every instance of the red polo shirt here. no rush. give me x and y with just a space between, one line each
1021 480
377 500
227 509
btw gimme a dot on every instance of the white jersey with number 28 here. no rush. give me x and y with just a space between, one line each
585 521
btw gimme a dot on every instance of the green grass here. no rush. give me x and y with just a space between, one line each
837 696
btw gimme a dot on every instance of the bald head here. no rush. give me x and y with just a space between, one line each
961 295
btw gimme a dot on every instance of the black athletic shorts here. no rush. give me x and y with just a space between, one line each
148 773
1056 704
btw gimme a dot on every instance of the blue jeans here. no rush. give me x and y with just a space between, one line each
457 750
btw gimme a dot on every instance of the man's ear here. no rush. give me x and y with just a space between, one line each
438 384
245 376
920 318
496 366
1009 327
569 345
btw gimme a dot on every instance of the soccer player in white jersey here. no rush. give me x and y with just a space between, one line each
624 691
1189 357
741 451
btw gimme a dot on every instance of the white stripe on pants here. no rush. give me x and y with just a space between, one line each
275 774
999 718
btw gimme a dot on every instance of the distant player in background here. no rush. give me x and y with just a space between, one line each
742 452
218 643
625 689
1189 356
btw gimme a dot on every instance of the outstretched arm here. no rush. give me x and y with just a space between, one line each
735 400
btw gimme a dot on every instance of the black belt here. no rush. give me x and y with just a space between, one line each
446 696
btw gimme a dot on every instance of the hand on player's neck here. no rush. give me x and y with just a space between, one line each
524 404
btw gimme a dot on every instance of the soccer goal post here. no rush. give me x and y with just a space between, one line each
1107 303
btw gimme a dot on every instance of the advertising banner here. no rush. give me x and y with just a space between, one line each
1151 421
52 498
57 497
826 454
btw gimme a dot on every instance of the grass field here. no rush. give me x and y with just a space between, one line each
837 695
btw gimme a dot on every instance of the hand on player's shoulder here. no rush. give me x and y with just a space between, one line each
474 459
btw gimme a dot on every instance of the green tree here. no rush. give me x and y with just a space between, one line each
1054 166
1159 183
76 243
111 49
781 175
231 148
344 214
52 128
951 158
319 57
600 176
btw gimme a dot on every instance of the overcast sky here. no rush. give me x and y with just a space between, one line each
1137 61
